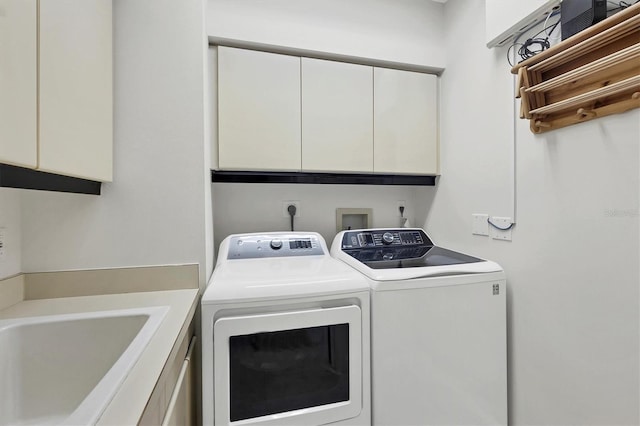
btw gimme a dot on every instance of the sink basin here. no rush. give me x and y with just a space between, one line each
65 369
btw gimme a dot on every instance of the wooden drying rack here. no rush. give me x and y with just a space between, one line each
592 74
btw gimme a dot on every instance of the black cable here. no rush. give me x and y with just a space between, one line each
620 5
497 227
509 52
526 51
553 26
292 212
533 45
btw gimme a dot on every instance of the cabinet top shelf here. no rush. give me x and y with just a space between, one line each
602 33
593 74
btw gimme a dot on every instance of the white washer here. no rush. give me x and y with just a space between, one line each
286 335
438 329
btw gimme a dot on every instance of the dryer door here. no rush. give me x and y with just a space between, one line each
289 368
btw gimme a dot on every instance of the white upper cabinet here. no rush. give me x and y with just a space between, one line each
405 122
337 116
285 113
18 83
258 110
56 99
76 101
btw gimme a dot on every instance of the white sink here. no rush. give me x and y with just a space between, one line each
65 369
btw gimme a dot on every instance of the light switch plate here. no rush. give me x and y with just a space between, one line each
480 224
500 234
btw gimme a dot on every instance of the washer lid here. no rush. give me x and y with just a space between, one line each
394 257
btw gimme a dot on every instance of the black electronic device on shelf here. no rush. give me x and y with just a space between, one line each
577 15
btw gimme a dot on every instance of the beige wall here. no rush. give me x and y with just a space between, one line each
11 227
407 31
155 211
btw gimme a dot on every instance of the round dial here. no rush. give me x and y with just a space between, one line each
387 238
276 244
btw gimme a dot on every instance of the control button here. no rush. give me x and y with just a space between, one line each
387 238
276 244
387 256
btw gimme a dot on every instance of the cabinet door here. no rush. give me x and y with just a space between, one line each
180 409
76 112
405 122
18 82
337 116
258 110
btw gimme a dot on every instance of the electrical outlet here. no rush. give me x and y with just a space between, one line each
480 224
285 207
3 244
403 204
501 234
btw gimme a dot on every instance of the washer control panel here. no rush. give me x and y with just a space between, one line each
372 238
372 246
274 245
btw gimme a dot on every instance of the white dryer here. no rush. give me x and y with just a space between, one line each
438 329
286 335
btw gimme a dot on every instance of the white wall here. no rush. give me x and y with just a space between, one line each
241 207
10 223
155 210
406 31
572 267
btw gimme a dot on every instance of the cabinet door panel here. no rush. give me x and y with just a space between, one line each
18 82
76 111
178 410
258 110
406 122
337 116
180 407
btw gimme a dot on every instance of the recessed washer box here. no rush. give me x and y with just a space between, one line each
353 218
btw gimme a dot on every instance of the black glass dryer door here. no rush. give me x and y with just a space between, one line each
283 371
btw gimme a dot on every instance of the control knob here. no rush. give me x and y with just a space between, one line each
387 238
276 244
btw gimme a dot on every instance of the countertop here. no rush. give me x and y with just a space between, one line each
129 403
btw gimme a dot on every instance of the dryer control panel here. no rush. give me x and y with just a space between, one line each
274 245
